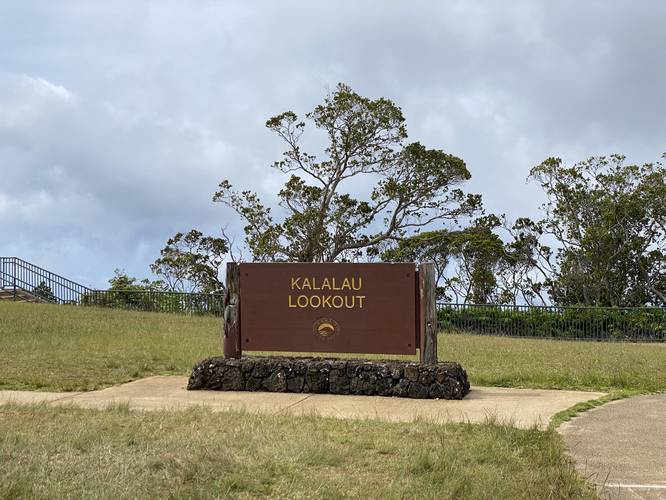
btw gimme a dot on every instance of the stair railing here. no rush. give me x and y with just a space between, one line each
21 276
17 274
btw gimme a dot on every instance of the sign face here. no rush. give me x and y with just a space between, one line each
330 307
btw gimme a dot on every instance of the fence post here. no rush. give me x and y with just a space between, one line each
231 342
428 314
14 278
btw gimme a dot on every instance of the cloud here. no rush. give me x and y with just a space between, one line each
118 119
112 180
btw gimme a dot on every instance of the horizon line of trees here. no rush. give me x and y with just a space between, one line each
601 240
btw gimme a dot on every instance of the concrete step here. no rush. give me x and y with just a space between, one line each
8 294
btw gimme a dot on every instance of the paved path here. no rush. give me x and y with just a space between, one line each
522 407
621 446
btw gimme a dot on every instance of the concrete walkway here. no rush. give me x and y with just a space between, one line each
522 407
621 447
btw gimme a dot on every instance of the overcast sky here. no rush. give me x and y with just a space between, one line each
118 119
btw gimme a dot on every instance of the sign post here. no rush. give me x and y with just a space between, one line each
231 328
427 314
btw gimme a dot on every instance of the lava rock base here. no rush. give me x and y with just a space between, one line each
333 376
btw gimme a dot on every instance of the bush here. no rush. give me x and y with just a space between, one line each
596 323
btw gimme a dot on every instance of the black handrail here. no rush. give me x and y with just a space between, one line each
18 286
32 277
28 266
21 276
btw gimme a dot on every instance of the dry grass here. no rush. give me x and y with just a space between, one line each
67 452
558 364
68 348
47 347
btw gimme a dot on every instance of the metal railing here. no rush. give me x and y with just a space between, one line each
18 278
157 301
644 324
17 274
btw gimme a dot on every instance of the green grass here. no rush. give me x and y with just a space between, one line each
566 415
67 452
48 347
556 364
70 348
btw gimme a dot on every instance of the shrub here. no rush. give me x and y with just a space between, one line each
596 323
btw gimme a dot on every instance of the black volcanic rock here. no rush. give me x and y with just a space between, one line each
445 380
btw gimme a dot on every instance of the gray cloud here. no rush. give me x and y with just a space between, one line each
118 119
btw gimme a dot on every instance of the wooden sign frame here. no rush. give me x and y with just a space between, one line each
424 301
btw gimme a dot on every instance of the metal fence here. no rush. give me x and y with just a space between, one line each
638 324
17 275
21 280
155 301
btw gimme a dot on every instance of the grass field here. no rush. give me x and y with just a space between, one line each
558 364
49 347
48 452
68 348
67 452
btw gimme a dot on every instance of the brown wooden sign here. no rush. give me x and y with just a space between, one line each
327 307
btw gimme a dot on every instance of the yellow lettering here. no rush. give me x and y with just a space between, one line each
325 285
314 284
360 283
325 301
306 284
295 284
335 287
345 284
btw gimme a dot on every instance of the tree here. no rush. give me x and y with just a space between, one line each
192 262
122 281
609 222
43 291
520 277
474 253
413 186
479 253
428 246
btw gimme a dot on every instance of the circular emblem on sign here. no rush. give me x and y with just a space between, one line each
325 328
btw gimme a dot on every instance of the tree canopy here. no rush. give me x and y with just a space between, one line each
413 186
474 252
192 262
608 220
369 193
